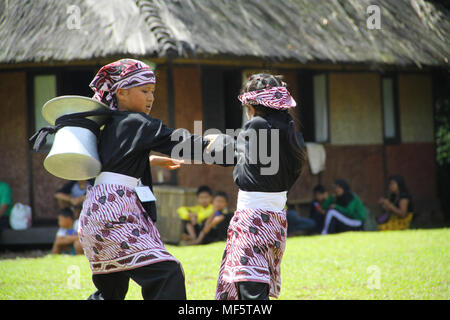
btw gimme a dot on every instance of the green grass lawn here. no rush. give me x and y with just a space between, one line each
410 264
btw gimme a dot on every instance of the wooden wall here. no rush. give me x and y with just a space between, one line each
14 135
45 186
188 108
355 151
361 166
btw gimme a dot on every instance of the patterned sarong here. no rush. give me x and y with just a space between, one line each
255 245
114 232
396 223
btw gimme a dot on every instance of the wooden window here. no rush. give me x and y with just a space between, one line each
391 130
313 106
46 85
44 89
221 108
320 107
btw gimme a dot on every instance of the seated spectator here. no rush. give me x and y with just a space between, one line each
72 195
296 224
194 217
398 207
216 226
345 211
317 213
66 240
5 205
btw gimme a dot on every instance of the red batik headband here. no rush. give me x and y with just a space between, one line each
275 97
124 73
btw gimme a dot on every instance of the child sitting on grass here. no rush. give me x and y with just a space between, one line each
66 240
194 217
216 226
398 207
317 213
345 211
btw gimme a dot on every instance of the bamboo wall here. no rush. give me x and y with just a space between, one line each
416 115
355 108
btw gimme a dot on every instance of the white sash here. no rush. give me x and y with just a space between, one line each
116 178
271 201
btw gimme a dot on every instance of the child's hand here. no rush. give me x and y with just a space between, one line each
193 218
165 162
77 201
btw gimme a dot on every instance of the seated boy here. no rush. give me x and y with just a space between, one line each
297 225
216 226
317 213
66 240
193 217
72 195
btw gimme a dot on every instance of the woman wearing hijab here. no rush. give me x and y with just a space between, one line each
345 212
398 206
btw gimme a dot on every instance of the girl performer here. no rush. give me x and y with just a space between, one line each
256 237
117 228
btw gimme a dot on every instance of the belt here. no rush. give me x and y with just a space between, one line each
271 201
117 178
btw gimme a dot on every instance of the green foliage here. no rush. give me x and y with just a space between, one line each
412 264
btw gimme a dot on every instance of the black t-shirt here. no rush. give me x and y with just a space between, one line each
127 139
403 195
248 175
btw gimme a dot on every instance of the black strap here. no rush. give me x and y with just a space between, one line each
74 120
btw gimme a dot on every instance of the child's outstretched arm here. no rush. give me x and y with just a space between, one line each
184 144
165 162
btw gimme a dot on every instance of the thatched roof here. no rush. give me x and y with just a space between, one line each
412 31
43 30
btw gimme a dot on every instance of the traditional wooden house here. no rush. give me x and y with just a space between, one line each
365 87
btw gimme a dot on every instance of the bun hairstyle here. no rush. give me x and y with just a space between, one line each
263 81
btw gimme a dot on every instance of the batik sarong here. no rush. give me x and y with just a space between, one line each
115 232
255 245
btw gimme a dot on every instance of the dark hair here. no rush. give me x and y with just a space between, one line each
204 189
67 212
221 194
344 199
402 189
402 192
319 189
400 182
263 81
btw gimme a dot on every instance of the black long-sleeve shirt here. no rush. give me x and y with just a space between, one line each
247 175
127 139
